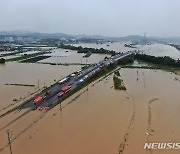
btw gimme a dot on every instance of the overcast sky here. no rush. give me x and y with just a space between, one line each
92 17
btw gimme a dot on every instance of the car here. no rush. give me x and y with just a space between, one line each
72 75
63 80
60 94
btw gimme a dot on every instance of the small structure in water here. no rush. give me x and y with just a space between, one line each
88 54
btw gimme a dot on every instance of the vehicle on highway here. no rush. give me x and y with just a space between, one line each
41 108
38 100
72 75
48 93
60 94
78 71
63 80
66 89
85 77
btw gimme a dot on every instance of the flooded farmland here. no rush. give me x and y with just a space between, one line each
116 46
153 49
62 56
39 75
103 120
160 50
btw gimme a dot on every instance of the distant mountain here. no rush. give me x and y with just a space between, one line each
36 34
83 36
127 38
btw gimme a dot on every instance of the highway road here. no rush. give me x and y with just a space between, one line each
74 81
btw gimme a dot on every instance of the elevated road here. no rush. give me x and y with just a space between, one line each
73 81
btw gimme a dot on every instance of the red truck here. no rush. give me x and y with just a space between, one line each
66 89
38 100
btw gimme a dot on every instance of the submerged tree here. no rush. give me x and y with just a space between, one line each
2 61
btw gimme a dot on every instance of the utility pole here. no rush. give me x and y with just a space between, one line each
38 83
60 106
9 141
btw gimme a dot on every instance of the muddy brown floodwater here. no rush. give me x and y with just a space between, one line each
32 74
102 120
60 56
116 46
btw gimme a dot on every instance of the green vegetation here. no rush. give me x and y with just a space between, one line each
23 57
34 59
118 82
126 60
117 73
10 54
103 72
2 61
154 67
66 64
86 50
164 61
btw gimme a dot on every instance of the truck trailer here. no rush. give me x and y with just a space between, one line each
38 100
66 88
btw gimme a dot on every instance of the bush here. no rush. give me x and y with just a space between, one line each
118 83
86 50
2 61
167 61
15 99
126 60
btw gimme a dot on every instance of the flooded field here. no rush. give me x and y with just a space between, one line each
116 46
5 52
8 57
103 120
70 57
39 75
28 53
160 50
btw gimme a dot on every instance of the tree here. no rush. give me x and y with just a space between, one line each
2 61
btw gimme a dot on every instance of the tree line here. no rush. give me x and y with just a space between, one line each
80 49
2 60
167 61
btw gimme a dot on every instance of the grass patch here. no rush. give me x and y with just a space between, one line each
153 67
26 56
118 82
10 54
